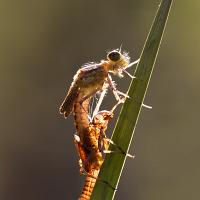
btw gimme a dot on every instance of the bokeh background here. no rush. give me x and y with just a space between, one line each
43 43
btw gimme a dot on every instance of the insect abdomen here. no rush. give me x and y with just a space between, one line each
89 186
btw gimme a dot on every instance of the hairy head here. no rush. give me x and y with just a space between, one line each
117 61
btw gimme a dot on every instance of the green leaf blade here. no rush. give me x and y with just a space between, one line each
126 124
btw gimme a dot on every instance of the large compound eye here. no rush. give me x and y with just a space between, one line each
114 56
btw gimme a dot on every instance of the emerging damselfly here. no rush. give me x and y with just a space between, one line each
91 78
90 141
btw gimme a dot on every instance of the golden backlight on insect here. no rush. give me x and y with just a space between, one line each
90 138
91 77
90 141
117 61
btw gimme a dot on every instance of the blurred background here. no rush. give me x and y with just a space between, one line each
43 43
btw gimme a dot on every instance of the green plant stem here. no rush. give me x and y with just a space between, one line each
126 124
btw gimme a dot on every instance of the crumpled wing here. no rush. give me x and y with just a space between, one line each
67 105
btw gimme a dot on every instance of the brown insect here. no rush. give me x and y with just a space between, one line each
91 78
90 142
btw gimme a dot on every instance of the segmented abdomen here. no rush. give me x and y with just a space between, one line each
81 117
89 185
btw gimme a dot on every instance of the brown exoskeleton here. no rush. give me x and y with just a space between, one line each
91 78
90 142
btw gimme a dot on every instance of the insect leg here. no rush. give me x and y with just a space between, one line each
146 106
115 106
115 91
81 152
128 74
133 63
103 93
120 150
88 95
130 65
105 144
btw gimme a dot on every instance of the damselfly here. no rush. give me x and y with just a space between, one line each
91 78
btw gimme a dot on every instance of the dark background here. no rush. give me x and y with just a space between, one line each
42 44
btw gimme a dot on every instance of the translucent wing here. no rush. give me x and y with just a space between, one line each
67 105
